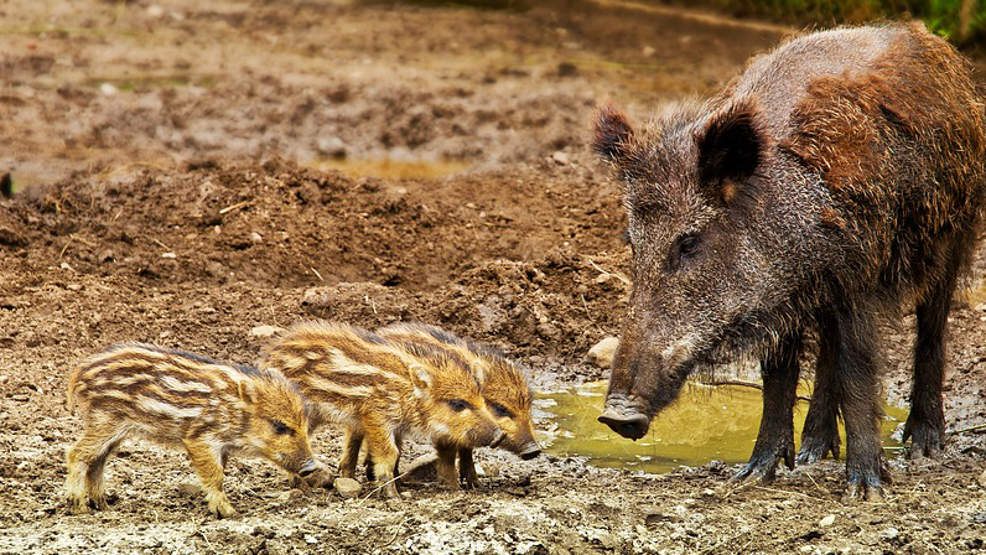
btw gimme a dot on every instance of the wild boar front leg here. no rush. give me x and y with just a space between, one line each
86 461
351 443
821 432
775 442
381 446
859 400
208 466
467 469
445 466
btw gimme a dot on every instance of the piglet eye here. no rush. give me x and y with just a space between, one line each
458 405
500 411
280 428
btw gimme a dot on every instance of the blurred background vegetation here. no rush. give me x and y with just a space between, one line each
962 21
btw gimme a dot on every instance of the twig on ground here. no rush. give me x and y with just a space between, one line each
232 207
975 428
741 383
601 270
318 275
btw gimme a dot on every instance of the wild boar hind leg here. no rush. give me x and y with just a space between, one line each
208 466
775 441
821 432
86 460
351 444
926 421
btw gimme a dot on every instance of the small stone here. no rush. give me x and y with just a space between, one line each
74 287
331 146
827 521
708 493
560 158
169 255
108 89
890 534
65 266
649 51
347 487
265 331
256 237
155 11
601 354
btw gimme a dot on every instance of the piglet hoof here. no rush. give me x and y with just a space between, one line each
926 438
320 479
470 482
79 506
864 492
222 509
99 503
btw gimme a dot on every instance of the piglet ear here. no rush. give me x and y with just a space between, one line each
612 134
247 391
421 379
731 147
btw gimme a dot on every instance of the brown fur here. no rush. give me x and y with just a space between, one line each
842 175
211 409
503 385
380 392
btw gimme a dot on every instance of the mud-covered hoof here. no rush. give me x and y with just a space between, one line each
815 448
98 503
764 461
864 487
926 438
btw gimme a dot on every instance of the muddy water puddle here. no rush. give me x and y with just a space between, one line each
706 423
388 168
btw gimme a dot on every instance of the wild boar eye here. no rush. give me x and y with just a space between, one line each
280 428
684 247
458 405
501 411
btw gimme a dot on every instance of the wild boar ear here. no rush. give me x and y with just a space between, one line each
421 379
731 147
612 135
247 391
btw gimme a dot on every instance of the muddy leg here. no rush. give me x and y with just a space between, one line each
775 442
86 461
445 466
208 466
859 393
351 443
467 469
821 432
381 448
926 421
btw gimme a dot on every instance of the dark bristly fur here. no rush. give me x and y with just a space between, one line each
840 176
211 409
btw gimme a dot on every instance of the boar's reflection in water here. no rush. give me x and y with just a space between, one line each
840 176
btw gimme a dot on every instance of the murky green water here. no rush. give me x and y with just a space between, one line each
706 423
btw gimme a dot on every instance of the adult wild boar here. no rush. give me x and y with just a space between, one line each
840 175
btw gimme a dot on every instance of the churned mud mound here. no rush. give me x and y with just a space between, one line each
170 166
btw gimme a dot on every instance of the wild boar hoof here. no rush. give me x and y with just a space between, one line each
98 503
857 491
926 438
815 447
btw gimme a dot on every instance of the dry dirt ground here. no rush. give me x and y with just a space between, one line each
173 163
